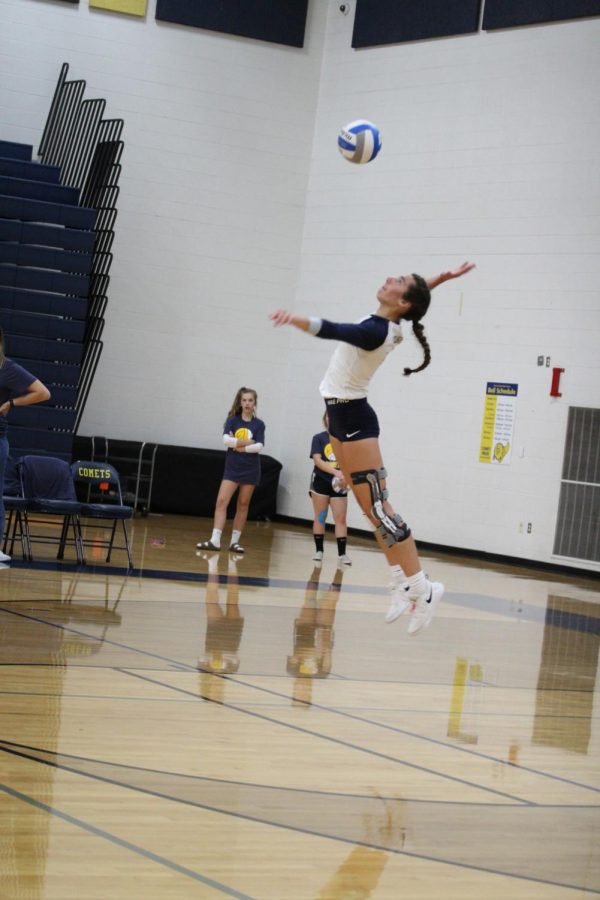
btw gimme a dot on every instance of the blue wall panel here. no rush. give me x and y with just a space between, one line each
507 13
392 22
280 22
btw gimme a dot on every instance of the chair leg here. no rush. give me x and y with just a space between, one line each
15 521
27 534
15 524
81 545
8 522
18 523
112 539
127 546
63 538
74 520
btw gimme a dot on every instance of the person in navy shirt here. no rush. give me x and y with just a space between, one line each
18 387
354 428
244 438
328 489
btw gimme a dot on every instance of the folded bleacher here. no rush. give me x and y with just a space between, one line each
56 231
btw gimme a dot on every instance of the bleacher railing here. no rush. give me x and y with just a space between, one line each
88 149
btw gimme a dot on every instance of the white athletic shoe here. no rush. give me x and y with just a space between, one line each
4 558
318 556
344 560
425 608
400 604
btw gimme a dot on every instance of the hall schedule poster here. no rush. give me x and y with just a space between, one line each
498 422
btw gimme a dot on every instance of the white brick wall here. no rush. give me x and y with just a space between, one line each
234 200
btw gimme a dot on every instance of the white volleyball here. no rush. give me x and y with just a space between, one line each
359 141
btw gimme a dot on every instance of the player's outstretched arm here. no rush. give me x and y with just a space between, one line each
450 273
283 317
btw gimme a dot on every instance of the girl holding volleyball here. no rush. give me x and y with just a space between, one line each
354 428
328 489
244 438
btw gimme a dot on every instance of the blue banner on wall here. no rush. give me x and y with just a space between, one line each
279 22
507 13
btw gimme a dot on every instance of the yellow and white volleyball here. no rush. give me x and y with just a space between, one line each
243 433
359 141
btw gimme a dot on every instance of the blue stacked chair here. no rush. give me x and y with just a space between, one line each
48 488
103 501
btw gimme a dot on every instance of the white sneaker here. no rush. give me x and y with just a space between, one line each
344 560
4 558
318 556
425 608
400 604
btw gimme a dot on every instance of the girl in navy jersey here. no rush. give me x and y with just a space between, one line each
354 428
328 489
18 387
244 437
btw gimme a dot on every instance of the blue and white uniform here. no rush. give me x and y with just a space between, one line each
243 468
321 482
364 346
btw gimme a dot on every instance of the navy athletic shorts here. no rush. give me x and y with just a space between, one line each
321 484
351 420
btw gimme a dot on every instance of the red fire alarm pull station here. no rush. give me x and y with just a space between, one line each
554 390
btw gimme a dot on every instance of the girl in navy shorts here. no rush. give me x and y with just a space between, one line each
354 428
328 489
244 437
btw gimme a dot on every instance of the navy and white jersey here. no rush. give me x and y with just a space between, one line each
364 346
243 468
14 382
321 444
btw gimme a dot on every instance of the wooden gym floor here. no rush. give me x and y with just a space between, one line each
253 729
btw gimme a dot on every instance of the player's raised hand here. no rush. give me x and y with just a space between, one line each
281 317
460 270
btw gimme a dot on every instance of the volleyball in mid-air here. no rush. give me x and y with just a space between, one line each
360 141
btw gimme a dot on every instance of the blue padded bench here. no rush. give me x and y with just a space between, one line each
44 280
50 328
53 442
15 151
50 372
45 258
41 302
38 190
24 168
39 350
38 211
42 417
46 235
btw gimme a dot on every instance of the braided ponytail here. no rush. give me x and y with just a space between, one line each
420 298
419 333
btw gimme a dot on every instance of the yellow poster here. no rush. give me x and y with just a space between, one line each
498 422
131 7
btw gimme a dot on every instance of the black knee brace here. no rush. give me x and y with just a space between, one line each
393 528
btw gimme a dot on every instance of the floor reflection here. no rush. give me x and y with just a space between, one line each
567 675
311 656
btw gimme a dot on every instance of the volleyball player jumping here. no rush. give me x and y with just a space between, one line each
354 428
